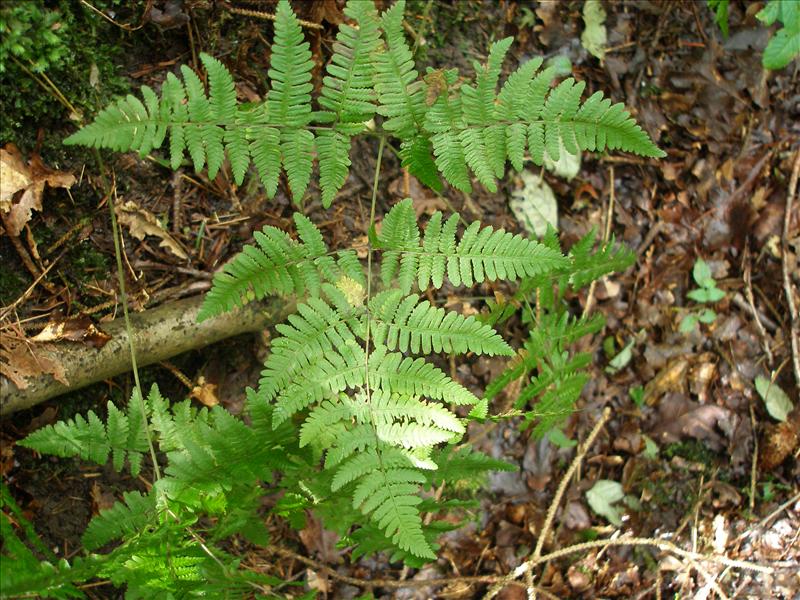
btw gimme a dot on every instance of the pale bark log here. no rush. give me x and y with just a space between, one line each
158 334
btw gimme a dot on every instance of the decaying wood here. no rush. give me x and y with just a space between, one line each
158 334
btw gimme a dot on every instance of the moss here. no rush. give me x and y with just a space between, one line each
63 42
12 285
692 450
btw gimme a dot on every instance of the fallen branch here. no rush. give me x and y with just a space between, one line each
158 334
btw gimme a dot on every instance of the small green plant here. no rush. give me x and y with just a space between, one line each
720 8
350 418
784 45
706 293
555 375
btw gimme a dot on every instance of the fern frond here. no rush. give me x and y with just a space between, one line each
480 254
89 439
123 519
347 95
405 323
415 377
386 489
315 331
386 410
289 97
464 464
401 94
478 130
588 265
278 265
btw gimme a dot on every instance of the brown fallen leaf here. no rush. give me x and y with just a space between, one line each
779 440
680 418
142 223
672 378
320 542
19 362
22 186
101 499
205 392
6 455
74 329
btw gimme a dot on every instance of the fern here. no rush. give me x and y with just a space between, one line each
279 265
457 130
124 518
406 324
348 409
481 254
123 436
348 95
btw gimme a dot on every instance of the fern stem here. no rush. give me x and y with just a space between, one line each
124 299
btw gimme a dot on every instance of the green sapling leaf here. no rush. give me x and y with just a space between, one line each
688 323
702 274
602 497
777 402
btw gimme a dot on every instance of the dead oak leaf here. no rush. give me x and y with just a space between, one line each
141 223
22 186
19 363
74 329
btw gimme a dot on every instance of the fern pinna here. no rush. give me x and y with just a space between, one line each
444 123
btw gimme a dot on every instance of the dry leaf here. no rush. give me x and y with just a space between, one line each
320 541
22 186
142 222
74 329
101 499
19 363
205 392
671 378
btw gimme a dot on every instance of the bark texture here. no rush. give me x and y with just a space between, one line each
158 334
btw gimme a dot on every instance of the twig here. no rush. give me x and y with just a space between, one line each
662 545
551 512
766 520
766 321
748 291
25 256
8 309
383 583
248 12
794 324
606 234
124 26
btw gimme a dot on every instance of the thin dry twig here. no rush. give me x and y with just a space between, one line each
662 545
748 290
8 309
551 512
606 234
248 12
788 288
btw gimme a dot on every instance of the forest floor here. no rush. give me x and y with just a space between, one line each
689 439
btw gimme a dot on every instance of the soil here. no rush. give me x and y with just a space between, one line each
731 132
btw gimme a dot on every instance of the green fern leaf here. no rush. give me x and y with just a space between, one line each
85 438
347 95
277 265
445 122
480 254
289 98
123 519
408 324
